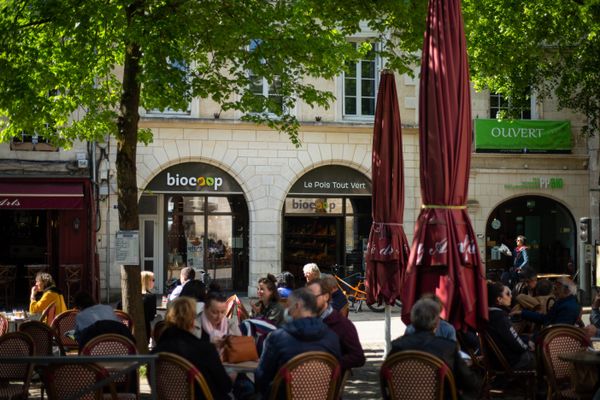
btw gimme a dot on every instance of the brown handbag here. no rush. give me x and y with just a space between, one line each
238 349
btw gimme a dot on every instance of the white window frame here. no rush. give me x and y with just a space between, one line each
378 65
532 105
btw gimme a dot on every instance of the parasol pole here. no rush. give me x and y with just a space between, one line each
388 330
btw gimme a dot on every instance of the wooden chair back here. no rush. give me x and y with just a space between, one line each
416 375
42 335
125 318
179 379
159 328
67 380
310 375
560 340
63 323
48 314
16 377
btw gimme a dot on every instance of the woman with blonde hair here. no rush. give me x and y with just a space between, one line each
178 338
149 299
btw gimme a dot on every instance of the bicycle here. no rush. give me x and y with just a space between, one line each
356 293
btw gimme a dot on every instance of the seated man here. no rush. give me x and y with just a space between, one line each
96 319
337 299
305 332
189 286
566 310
353 355
425 317
444 329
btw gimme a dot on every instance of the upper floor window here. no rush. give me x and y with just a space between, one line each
179 75
260 86
26 142
360 86
499 103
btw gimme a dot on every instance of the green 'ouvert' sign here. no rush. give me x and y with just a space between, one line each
522 136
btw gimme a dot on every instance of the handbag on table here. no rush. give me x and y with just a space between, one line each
238 349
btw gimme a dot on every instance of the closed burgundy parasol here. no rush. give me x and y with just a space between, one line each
444 257
387 251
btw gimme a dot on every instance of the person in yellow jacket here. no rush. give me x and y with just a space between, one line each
44 286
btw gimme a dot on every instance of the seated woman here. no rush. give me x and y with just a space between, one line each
268 307
44 293
212 324
178 338
514 349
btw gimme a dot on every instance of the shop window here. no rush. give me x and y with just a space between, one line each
360 83
500 105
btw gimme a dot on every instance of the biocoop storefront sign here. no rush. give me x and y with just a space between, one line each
522 136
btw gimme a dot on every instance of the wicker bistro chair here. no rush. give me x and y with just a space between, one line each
63 323
16 377
44 339
525 379
416 375
310 375
68 380
48 314
159 328
125 318
560 340
110 344
4 325
178 379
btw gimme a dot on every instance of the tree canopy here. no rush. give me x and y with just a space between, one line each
545 46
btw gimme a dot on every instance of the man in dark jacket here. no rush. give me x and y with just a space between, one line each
306 332
425 316
189 286
353 355
566 310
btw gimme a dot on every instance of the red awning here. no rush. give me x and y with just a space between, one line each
23 195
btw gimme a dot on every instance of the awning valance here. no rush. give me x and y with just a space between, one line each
26 195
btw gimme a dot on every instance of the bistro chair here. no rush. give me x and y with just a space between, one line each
67 380
48 314
8 278
310 375
560 340
159 328
125 319
72 280
4 325
64 323
496 365
111 344
43 337
178 379
15 377
416 375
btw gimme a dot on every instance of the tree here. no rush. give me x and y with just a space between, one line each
62 57
545 46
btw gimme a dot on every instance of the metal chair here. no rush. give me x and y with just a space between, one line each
63 323
125 319
44 339
15 344
72 277
4 325
310 375
111 344
490 351
560 340
178 379
48 314
416 375
32 271
8 277
67 380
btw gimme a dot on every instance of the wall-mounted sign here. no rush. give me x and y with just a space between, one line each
311 205
522 136
332 179
193 177
541 183
127 248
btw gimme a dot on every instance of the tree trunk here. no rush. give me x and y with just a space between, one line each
127 139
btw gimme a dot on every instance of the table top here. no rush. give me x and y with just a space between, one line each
246 366
582 357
